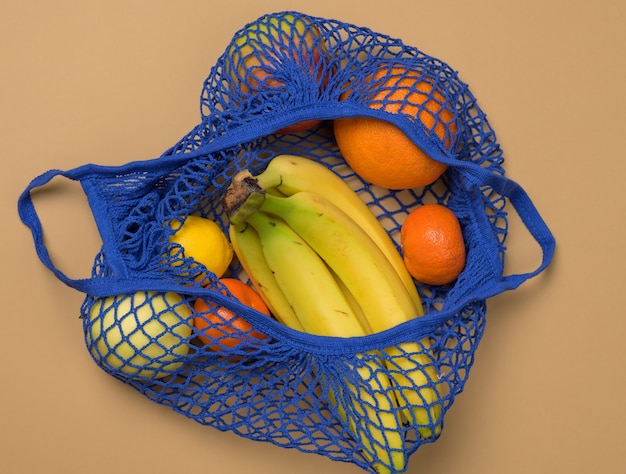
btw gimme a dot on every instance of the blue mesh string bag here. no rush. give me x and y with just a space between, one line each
278 88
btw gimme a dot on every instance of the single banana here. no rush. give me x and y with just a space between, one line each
366 406
247 247
373 282
290 174
416 386
369 408
356 307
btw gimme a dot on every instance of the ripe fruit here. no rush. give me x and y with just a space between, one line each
140 334
273 48
335 280
377 150
204 241
432 244
223 327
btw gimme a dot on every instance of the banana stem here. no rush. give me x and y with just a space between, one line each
243 197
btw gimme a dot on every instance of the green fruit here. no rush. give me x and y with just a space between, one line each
271 46
263 45
141 334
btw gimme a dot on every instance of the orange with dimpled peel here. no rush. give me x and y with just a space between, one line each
432 244
379 151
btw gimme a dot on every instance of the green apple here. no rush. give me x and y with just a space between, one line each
140 334
270 44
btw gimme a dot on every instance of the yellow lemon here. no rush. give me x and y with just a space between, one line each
204 241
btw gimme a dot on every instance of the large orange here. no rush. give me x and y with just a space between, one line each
222 328
432 244
377 150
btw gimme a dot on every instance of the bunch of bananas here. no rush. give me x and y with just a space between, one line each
325 265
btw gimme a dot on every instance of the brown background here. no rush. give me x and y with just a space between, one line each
113 81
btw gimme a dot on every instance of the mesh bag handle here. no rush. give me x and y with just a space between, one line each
533 222
480 178
123 280
29 216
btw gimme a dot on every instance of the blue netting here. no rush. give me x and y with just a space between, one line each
284 389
